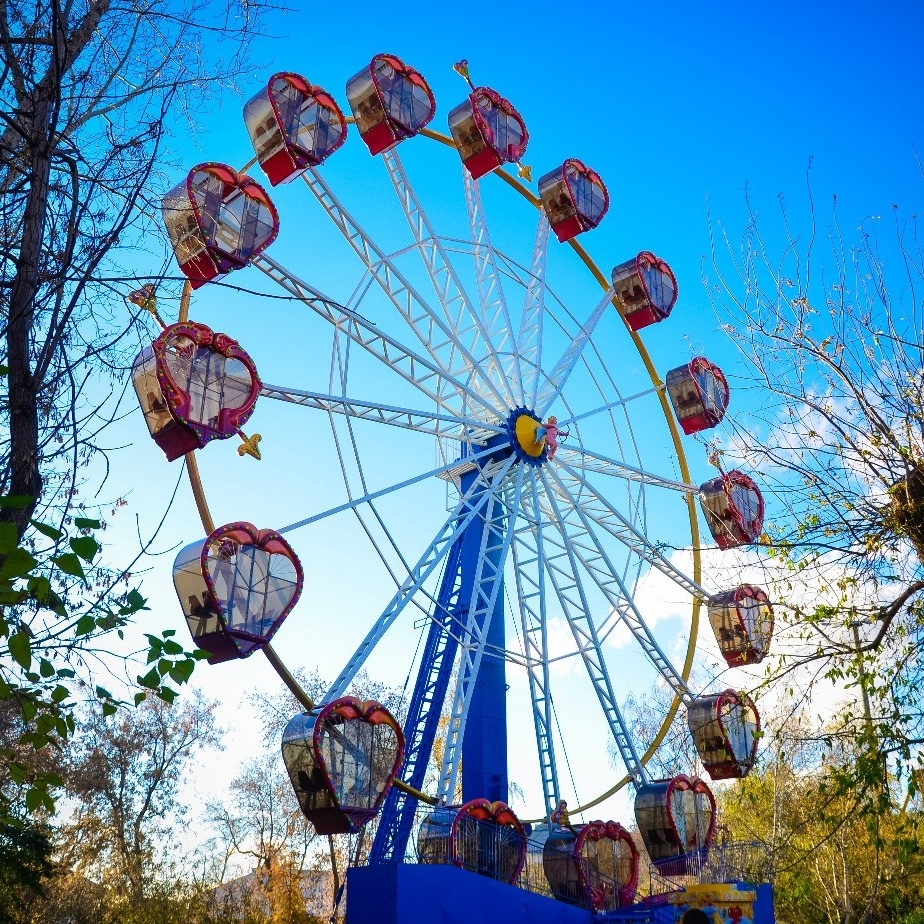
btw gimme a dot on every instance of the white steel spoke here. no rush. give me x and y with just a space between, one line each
562 564
461 316
469 430
495 317
428 377
597 564
469 507
594 462
529 341
612 404
560 374
436 337
602 513
528 552
375 495
496 536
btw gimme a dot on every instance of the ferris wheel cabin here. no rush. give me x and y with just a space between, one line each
699 394
342 759
734 509
217 219
236 589
573 198
488 132
742 620
725 728
293 125
646 290
194 386
390 101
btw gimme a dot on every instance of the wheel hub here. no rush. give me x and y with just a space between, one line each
522 425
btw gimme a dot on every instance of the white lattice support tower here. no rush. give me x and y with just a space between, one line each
495 317
497 534
563 572
529 339
431 330
461 315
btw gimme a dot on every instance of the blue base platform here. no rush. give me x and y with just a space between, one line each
441 894
438 894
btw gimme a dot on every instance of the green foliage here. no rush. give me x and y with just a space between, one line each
25 863
53 618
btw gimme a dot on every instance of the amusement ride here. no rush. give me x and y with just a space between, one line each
518 397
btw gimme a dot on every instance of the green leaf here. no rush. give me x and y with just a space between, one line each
85 625
103 693
4 370
84 523
172 648
47 530
69 563
134 602
140 698
168 632
35 797
39 588
85 546
15 501
59 694
17 563
9 538
181 672
166 694
20 650
110 709
151 679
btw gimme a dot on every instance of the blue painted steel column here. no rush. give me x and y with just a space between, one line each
484 748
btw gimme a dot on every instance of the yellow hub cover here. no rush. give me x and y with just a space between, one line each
525 430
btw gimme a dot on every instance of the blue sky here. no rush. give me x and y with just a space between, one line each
671 105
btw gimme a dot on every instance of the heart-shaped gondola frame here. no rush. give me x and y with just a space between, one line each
416 78
720 759
608 830
748 653
683 783
230 419
511 153
353 709
486 811
301 157
701 364
224 261
269 540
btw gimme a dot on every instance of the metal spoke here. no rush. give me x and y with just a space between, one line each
599 567
578 457
529 341
608 518
447 469
528 552
497 534
428 377
495 317
471 431
562 565
463 318
560 374
455 525
436 337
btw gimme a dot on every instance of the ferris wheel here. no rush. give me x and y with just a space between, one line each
490 433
